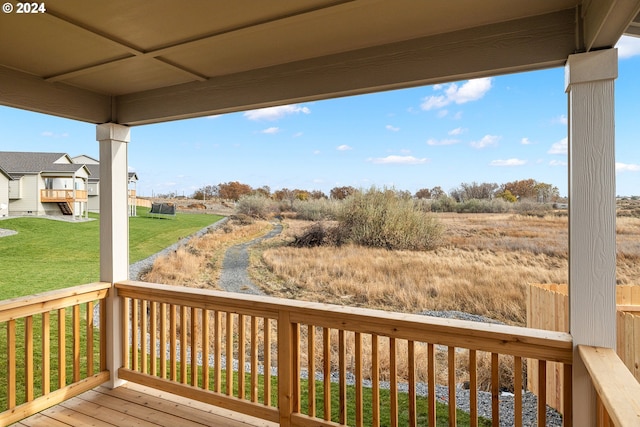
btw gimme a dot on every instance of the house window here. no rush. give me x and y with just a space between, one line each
48 183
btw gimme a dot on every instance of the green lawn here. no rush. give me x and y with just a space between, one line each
48 254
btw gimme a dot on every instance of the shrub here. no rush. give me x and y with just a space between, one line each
484 206
316 209
256 206
386 219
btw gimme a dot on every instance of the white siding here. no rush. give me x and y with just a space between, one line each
29 203
15 189
4 195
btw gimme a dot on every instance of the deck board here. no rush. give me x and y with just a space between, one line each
135 405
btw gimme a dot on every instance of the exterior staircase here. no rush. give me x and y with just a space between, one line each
65 208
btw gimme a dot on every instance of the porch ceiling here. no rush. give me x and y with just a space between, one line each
136 62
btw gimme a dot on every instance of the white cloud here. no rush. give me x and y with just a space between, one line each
557 163
526 141
626 167
275 113
628 47
271 130
486 141
316 152
442 142
471 90
297 134
561 119
392 128
344 147
398 160
456 131
560 147
508 162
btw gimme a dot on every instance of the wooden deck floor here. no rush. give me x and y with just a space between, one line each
135 405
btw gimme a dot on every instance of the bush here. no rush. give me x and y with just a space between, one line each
316 209
256 206
484 206
386 219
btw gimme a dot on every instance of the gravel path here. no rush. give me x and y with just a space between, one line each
234 276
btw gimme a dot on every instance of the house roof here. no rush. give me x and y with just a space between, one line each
18 164
95 173
120 61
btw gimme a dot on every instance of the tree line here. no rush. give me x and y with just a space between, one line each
525 189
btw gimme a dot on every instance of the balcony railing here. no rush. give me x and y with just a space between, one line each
53 196
291 362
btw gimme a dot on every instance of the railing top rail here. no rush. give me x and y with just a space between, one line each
616 386
19 307
504 339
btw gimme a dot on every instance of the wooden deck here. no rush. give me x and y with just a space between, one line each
136 405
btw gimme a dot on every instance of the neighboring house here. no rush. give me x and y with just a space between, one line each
43 184
93 189
4 193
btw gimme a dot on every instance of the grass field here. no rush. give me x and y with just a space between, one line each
48 254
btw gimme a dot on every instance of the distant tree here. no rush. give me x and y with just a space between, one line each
522 189
265 191
206 192
547 193
507 195
437 192
468 191
317 195
301 195
423 193
233 190
341 193
284 194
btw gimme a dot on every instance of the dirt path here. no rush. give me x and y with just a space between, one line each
234 276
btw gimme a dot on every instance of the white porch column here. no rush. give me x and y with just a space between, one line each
589 79
114 232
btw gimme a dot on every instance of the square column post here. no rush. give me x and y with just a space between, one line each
114 233
589 82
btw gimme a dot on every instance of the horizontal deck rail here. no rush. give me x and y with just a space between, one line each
618 391
303 363
49 354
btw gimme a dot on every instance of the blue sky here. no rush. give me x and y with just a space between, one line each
497 129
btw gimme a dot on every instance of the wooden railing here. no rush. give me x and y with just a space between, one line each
52 196
618 392
301 363
38 373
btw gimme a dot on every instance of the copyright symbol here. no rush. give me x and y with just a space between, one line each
7 8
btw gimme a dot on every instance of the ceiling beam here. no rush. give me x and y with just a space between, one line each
520 45
21 90
605 20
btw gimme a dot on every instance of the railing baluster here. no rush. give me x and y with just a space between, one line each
451 368
295 367
173 368
11 364
28 358
311 368
267 361
163 340
342 377
103 336
411 366
241 355
153 338
542 392
143 336
358 375
254 359
205 349
473 388
229 355
375 381
135 334
183 344
431 383
76 343
567 415
326 360
62 347
393 382
194 347
517 390
89 347
495 390
217 351
46 353
125 325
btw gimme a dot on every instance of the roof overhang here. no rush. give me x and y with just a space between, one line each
135 63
